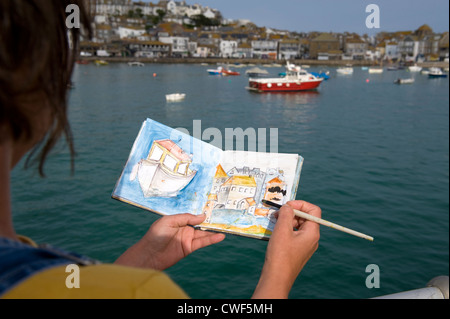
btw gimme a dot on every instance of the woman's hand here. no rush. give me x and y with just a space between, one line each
167 241
293 242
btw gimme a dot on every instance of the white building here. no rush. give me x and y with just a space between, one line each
228 48
127 33
408 48
391 51
264 49
180 45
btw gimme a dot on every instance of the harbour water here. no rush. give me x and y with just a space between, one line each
376 160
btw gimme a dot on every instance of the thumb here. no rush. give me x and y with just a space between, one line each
182 220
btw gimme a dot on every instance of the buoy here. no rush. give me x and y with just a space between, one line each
154 75
367 80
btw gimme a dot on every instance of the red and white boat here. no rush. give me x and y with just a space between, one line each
222 71
296 79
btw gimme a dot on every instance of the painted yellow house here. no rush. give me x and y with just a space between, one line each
234 192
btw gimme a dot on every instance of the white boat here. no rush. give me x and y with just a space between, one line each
404 81
256 72
175 97
346 71
436 73
415 68
375 70
135 64
165 172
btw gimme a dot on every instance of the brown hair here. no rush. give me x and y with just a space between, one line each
37 54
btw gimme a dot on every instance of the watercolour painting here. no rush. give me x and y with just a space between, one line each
169 172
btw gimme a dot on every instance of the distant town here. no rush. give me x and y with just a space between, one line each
176 29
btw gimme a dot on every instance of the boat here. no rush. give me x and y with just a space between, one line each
100 62
165 171
404 81
295 80
345 71
436 73
256 72
222 71
375 70
228 72
175 97
323 75
135 63
82 62
217 71
415 68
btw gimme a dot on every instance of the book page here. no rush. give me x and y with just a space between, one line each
241 181
167 172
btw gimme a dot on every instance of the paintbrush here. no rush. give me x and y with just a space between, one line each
320 221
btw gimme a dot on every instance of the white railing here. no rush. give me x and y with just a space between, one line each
437 288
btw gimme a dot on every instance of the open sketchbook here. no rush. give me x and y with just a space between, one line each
169 172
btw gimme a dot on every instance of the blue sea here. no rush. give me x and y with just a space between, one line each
376 159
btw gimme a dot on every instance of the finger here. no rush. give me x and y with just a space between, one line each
307 225
296 221
306 207
285 217
203 239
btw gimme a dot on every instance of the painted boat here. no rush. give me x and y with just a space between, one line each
296 79
165 172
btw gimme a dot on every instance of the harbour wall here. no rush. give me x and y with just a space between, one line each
439 64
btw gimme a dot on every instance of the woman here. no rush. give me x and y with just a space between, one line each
36 60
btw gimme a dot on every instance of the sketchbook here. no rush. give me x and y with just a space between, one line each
169 172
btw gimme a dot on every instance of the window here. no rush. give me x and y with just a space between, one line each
182 168
170 162
156 154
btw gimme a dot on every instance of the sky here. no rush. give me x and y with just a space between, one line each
334 15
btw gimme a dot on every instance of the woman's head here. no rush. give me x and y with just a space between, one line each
37 55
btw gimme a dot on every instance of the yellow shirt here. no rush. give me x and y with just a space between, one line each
102 281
